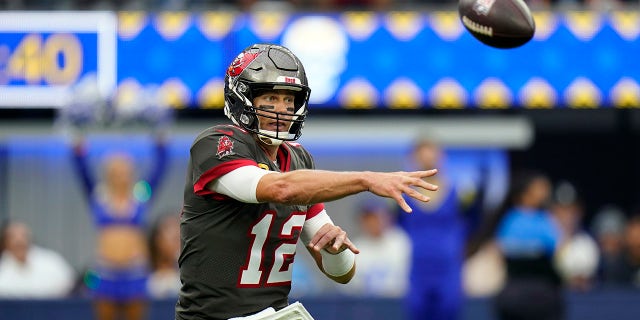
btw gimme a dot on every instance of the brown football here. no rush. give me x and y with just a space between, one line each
498 23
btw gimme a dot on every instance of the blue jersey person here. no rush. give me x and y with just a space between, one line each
529 237
438 231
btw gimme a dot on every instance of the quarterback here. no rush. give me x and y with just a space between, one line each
252 192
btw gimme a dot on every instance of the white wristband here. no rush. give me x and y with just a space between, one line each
311 226
337 264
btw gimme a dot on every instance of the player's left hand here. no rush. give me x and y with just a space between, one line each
333 239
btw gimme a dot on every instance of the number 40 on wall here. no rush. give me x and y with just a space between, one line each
39 59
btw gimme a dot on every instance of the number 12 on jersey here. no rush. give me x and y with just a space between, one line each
252 274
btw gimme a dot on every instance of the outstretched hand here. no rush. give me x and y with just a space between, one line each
393 185
333 239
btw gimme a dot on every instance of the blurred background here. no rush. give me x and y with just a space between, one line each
82 79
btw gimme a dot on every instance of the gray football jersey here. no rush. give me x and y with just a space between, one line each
236 257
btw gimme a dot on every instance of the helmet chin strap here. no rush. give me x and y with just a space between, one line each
269 140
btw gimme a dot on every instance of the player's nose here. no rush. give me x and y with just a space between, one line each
282 106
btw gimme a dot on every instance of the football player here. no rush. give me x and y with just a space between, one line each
251 192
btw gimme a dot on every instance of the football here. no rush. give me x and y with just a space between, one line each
498 23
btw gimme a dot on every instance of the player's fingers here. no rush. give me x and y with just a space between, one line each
322 242
419 182
319 245
326 237
342 243
314 240
417 195
421 173
428 173
426 185
320 234
351 246
338 242
402 203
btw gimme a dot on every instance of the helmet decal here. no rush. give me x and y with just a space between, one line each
241 62
288 79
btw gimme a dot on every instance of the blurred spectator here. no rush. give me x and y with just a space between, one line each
271 5
30 4
608 227
30 271
118 278
341 5
620 245
578 255
383 262
528 237
438 231
632 250
114 5
164 248
606 5
484 271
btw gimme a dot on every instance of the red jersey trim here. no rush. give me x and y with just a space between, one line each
284 158
199 187
314 210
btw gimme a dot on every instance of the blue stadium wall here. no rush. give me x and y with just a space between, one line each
355 60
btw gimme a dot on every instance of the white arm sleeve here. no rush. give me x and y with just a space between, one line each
239 184
311 226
